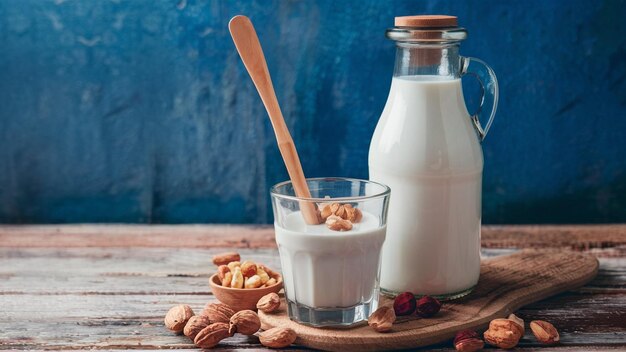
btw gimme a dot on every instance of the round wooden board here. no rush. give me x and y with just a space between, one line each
506 284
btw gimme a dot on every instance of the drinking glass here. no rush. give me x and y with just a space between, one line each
331 278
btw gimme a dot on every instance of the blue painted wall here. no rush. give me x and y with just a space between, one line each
141 111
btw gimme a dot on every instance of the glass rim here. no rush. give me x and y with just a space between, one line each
385 192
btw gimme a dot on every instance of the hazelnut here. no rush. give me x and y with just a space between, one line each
468 341
269 303
382 319
218 312
210 336
225 258
427 306
277 337
177 317
195 324
544 332
404 304
244 322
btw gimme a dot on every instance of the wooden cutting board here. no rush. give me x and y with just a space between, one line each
506 284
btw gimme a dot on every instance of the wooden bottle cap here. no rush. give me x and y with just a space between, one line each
431 21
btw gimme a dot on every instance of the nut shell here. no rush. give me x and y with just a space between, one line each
277 337
195 325
545 332
218 312
210 336
244 322
225 258
177 317
382 319
268 303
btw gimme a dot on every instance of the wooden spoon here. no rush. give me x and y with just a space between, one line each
249 48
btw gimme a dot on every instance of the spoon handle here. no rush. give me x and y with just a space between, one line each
249 48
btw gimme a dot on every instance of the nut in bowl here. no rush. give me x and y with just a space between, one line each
244 296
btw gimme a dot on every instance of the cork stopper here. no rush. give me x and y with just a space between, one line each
429 21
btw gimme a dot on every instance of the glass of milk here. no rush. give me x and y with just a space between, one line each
331 278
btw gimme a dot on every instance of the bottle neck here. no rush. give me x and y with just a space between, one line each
427 59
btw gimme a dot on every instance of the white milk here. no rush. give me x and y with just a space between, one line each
329 269
426 150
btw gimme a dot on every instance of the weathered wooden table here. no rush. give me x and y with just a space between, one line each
108 287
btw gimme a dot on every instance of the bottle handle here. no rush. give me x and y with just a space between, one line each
489 91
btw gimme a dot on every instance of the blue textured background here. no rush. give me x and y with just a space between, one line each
141 111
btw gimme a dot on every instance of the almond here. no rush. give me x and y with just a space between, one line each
210 336
177 317
218 312
195 325
277 337
268 303
244 322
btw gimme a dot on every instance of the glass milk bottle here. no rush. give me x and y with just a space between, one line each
426 148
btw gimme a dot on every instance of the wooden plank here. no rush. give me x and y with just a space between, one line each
608 240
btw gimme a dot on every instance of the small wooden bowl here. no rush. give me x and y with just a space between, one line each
242 298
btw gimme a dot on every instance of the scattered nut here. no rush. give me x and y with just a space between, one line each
253 282
427 306
503 333
382 319
277 337
237 281
544 332
177 317
269 303
218 312
404 304
210 336
225 258
195 325
244 322
248 269
468 341
336 223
